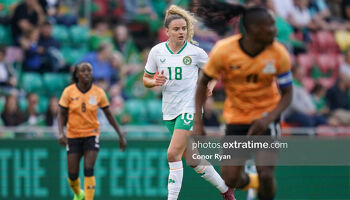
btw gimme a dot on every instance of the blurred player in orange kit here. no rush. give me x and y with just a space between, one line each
258 85
79 104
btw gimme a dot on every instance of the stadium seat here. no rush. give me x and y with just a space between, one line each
326 42
43 104
2 104
327 82
137 111
41 107
79 35
135 135
5 35
22 104
305 61
9 5
32 82
162 37
54 83
154 111
72 55
328 63
308 83
60 33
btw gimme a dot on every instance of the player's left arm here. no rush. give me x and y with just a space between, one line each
202 60
285 80
104 104
206 81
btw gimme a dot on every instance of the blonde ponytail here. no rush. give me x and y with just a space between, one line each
176 12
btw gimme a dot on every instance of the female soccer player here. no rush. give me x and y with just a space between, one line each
177 61
251 65
78 109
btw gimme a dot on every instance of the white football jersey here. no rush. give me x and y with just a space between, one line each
181 69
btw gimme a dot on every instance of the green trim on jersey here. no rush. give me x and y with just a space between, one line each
166 44
149 72
182 48
183 121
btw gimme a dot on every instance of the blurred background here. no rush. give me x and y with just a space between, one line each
41 40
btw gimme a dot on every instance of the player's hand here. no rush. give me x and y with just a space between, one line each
161 79
62 140
198 128
122 142
209 92
259 126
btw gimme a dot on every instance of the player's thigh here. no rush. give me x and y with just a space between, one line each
74 154
177 144
91 148
182 128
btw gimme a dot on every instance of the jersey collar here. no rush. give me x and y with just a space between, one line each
76 85
166 44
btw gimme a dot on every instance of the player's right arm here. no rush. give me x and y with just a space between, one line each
62 121
62 117
149 81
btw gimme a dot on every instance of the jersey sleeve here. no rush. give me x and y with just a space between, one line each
202 58
214 67
103 100
151 65
284 74
64 100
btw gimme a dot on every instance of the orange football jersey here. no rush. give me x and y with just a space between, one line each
82 110
250 82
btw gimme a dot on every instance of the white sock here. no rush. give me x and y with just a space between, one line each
175 179
208 172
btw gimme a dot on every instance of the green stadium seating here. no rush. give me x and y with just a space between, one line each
41 107
79 35
72 55
5 35
32 82
22 104
154 110
8 6
43 104
54 83
2 104
61 34
137 111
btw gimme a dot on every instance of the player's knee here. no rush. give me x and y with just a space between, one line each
88 172
73 176
266 177
173 155
231 180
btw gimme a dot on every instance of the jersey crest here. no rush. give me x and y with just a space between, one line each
93 100
269 67
187 60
